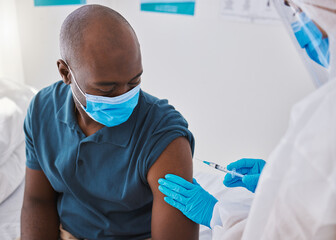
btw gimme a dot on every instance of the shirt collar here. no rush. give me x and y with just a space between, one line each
119 135
66 113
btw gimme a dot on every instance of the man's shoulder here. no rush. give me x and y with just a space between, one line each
161 113
58 89
49 98
160 106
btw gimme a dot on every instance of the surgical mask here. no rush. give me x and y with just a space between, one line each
109 111
310 37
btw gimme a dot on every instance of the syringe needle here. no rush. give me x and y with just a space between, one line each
221 168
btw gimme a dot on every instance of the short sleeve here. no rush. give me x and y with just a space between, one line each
31 158
170 127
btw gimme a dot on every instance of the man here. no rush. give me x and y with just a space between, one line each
97 144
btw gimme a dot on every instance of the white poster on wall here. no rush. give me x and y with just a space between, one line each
261 11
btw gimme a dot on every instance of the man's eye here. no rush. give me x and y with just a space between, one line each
133 83
106 91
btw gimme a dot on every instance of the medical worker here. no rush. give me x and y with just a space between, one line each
296 194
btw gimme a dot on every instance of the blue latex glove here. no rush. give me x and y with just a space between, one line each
190 198
251 168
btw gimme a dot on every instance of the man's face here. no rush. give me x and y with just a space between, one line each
108 73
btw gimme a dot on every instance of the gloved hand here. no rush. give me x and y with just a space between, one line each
190 198
251 168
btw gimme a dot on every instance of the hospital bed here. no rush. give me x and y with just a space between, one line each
14 100
10 210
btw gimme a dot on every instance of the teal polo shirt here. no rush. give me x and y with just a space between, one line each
101 179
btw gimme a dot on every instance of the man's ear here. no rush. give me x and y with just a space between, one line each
64 71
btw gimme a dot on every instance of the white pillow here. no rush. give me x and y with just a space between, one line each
14 100
12 147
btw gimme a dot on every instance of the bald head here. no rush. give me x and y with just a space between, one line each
101 51
92 31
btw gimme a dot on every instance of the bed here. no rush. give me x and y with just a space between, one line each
14 100
10 210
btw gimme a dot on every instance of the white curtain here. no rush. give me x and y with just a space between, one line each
10 51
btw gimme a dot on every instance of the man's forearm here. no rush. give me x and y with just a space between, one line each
39 220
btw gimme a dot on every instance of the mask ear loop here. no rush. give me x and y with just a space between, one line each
73 93
78 100
73 76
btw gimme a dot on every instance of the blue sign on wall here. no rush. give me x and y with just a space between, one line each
58 2
169 6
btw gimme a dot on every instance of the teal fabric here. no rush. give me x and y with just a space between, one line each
101 179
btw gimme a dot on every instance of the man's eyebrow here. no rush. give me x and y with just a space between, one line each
114 83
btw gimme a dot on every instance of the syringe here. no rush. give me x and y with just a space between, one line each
223 169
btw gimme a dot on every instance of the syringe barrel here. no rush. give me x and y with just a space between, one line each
219 167
238 174
224 169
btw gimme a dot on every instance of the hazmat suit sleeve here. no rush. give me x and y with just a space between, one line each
296 195
230 213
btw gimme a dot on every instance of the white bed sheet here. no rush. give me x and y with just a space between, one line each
14 100
10 211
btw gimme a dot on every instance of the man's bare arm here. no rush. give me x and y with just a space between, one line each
39 217
168 222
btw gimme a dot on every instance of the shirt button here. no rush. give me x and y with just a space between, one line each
80 162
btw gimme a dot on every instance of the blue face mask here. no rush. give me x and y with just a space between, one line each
109 111
310 37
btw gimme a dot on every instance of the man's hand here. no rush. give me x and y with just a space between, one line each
168 222
39 217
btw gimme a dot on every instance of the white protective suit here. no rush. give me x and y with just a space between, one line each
296 194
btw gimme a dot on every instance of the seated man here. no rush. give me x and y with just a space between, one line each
97 144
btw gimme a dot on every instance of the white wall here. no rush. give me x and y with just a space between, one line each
10 53
234 82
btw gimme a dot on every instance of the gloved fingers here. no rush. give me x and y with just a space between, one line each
167 191
180 181
261 164
242 170
172 186
251 181
231 179
258 167
232 182
250 178
175 204
195 182
242 163
173 195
